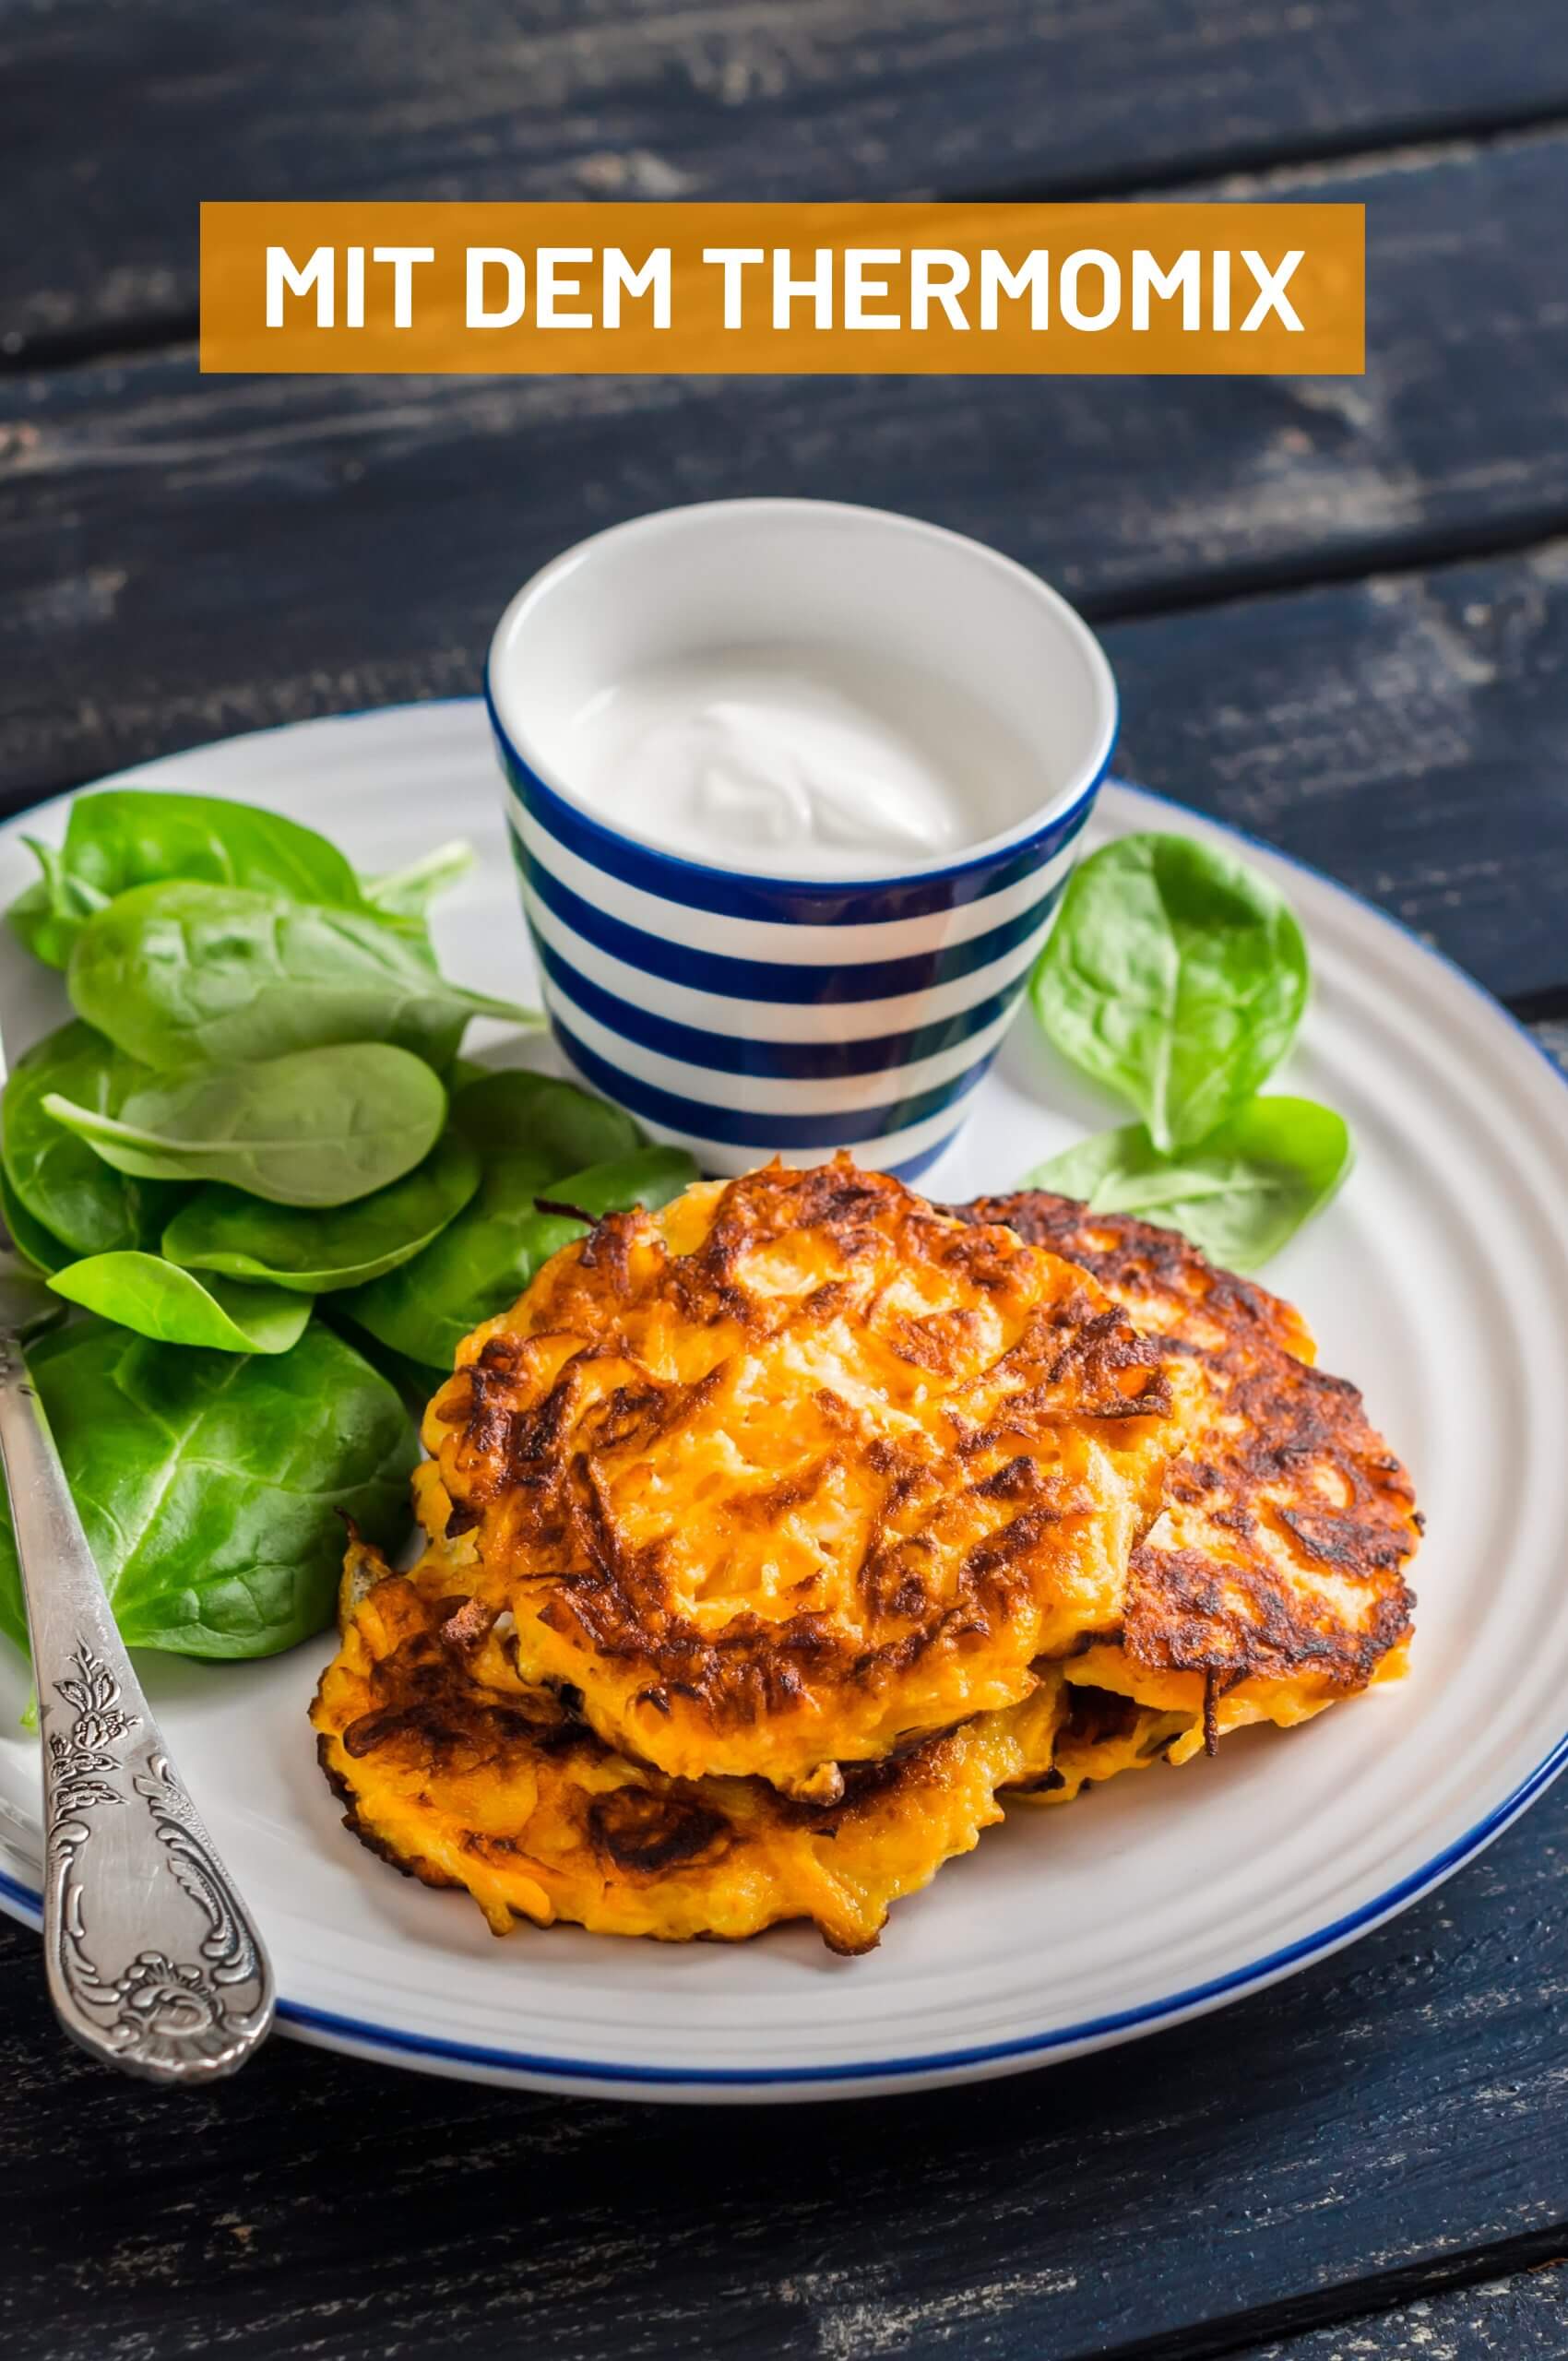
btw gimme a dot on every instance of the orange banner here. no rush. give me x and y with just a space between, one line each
653 289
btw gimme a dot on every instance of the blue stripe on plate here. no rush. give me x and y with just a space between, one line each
789 900
762 1131
392 2040
1194 2000
772 980
694 1045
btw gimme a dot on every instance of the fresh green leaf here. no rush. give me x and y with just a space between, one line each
56 1177
32 920
296 1246
408 893
1175 977
413 1381
35 1244
184 971
48 915
211 1483
123 838
321 1127
527 1128
538 1114
1240 1196
143 1292
415 1309
484 1261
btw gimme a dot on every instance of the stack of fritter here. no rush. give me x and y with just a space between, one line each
774 1537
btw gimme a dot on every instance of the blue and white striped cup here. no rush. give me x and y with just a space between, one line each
744 1015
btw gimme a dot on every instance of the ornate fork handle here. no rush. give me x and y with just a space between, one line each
153 1961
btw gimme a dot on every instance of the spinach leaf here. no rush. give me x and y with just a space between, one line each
182 972
48 915
1240 1196
32 920
408 893
321 1127
539 1114
211 1483
123 838
297 1246
55 1177
484 1261
413 1381
143 1292
35 1244
1175 977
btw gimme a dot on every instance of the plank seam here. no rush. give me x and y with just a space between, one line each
1396 555
1341 2305
1544 1007
1400 144
69 349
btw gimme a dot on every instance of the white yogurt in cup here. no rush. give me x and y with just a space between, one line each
794 789
814 760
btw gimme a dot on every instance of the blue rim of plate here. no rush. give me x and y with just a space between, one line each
1123 2023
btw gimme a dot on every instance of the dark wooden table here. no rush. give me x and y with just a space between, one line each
1339 612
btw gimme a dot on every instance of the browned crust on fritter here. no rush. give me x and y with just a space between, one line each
413 1866
1159 1276
430 1743
1287 1520
430 1710
523 1458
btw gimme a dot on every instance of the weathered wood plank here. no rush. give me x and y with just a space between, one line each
1131 492
774 98
1524 2317
1408 734
1392 2113
1505 2319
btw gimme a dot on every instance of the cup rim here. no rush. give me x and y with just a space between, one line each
1043 821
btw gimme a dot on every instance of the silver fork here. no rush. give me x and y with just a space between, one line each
153 1961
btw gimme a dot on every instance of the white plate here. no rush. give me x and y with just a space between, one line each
1439 1281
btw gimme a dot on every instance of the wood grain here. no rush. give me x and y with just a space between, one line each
1132 492
766 98
1329 2147
1524 2317
1339 614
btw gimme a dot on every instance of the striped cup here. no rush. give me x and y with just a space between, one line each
742 1013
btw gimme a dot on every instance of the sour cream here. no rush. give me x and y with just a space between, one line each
798 761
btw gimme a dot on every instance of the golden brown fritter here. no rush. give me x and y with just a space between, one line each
799 1471
1272 1581
461 1775
1099 1735
786 1469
